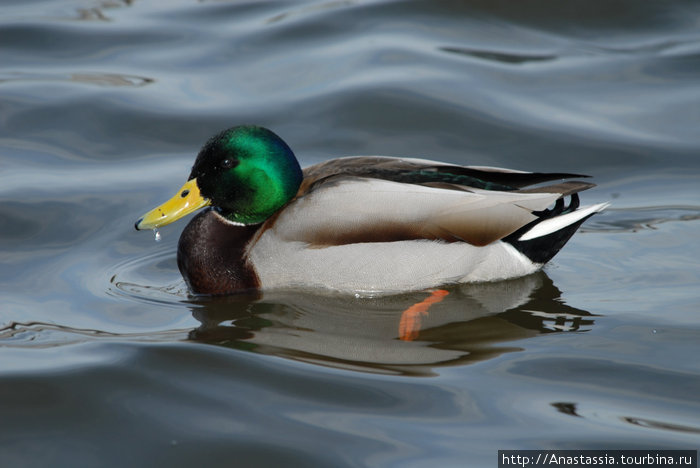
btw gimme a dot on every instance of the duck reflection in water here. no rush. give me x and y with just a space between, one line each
407 334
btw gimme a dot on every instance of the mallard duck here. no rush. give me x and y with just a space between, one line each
364 224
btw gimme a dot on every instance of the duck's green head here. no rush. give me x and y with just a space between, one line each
246 172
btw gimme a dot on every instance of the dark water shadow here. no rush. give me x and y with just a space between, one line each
397 334
470 324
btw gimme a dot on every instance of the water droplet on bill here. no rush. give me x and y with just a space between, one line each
156 235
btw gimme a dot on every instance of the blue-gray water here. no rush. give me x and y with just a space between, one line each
106 361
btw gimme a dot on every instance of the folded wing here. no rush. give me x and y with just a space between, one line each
376 199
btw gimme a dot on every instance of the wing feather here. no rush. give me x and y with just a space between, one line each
353 210
421 171
384 199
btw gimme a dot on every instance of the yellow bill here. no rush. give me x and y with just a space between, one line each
187 200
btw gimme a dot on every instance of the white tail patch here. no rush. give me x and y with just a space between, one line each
549 226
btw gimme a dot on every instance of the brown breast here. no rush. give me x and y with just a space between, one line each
211 255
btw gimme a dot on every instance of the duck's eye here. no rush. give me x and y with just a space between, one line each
229 163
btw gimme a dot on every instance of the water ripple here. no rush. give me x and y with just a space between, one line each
46 335
641 218
99 79
497 56
667 426
133 278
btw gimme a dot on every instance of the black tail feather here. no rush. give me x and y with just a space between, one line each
542 249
